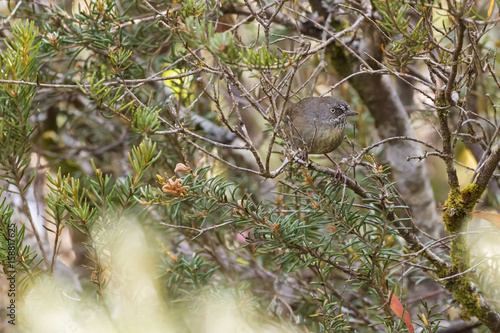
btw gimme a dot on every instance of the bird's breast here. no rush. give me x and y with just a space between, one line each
320 137
326 140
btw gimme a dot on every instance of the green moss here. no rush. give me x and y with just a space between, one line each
443 272
440 100
470 196
470 301
463 293
458 206
453 214
456 218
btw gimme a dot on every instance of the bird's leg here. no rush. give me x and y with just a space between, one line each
337 168
304 156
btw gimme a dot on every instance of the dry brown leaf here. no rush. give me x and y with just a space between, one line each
493 218
398 309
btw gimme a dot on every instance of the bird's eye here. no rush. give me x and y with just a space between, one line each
332 110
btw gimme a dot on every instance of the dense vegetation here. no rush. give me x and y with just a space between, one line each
147 183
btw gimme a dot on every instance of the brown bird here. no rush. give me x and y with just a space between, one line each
317 124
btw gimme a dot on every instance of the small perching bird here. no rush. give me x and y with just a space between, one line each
317 124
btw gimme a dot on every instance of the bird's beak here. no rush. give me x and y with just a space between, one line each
350 113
